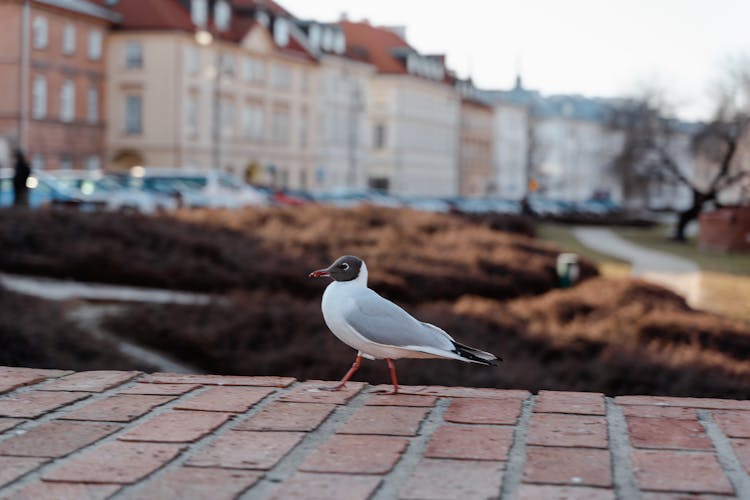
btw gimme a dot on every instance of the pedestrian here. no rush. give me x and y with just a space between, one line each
20 176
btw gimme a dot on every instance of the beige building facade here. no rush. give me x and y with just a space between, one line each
475 177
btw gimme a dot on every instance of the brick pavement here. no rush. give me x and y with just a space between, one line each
129 435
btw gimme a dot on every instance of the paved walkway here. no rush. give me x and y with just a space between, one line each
129 435
676 273
56 289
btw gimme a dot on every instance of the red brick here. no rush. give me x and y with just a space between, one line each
225 399
34 404
11 468
451 479
552 429
246 450
667 433
720 404
178 378
571 466
279 416
582 403
194 482
401 400
93 381
550 492
9 423
44 490
457 392
652 495
649 411
38 372
385 420
327 487
311 392
734 424
483 411
356 454
14 381
55 438
114 462
742 450
688 471
176 427
470 443
159 389
118 408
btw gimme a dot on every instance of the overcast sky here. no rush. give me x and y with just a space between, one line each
592 47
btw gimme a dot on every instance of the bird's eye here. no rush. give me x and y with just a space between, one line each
344 266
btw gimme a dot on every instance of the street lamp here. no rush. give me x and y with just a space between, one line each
222 14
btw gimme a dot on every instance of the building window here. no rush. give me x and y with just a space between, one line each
133 55
280 125
222 15
304 81
67 101
253 122
92 105
191 60
199 12
66 162
40 32
228 65
253 70
379 136
133 114
93 162
69 39
95 44
281 76
191 115
39 98
228 117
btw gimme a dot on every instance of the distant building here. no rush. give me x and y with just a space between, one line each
169 105
565 146
53 78
413 114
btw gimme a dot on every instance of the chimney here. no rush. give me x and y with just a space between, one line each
343 17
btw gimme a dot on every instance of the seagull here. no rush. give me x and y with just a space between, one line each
379 329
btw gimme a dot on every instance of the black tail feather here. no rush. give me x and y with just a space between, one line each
476 355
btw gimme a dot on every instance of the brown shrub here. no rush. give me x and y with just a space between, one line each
35 333
617 337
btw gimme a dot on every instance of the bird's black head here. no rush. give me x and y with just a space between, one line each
345 268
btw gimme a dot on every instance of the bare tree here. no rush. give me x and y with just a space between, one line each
648 152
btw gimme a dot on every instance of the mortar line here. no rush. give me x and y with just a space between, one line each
191 448
728 461
32 423
391 484
517 455
623 476
290 463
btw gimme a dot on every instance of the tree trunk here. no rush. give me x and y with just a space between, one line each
689 215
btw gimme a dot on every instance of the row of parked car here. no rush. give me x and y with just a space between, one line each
148 190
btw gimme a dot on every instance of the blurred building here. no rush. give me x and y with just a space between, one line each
53 78
413 114
564 146
214 85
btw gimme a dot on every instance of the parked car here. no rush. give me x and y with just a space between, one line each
435 205
193 187
42 192
97 187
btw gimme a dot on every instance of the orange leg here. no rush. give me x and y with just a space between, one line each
394 380
348 375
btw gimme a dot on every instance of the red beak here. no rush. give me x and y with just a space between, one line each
320 273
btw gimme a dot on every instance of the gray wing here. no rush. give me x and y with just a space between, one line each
380 320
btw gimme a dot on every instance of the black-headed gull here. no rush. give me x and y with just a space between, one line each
379 329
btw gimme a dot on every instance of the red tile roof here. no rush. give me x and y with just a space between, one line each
374 44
